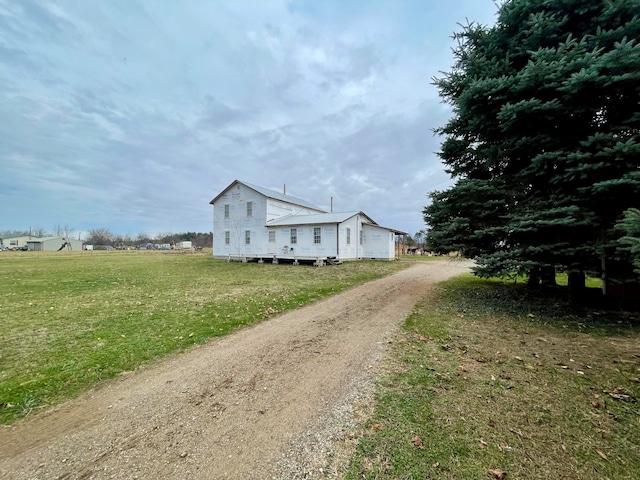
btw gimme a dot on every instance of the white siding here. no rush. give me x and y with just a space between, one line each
263 210
349 251
378 243
277 209
305 246
238 222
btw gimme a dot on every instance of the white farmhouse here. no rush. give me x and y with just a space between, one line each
255 223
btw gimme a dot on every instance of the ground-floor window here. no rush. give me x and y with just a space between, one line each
247 237
317 235
227 237
348 236
272 236
294 236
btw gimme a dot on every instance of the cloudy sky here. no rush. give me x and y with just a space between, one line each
132 115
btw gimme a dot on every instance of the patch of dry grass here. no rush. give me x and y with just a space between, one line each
488 380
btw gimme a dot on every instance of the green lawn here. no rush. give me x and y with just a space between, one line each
72 319
487 379
484 378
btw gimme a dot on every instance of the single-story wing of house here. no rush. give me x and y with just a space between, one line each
255 223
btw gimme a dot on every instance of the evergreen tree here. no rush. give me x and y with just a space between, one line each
630 224
544 141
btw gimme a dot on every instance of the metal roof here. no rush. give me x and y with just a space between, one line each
270 194
325 218
314 219
291 220
48 239
392 230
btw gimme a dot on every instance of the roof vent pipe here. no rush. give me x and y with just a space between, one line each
284 190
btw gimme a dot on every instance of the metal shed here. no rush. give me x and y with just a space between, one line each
52 244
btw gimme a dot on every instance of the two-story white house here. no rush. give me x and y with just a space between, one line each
255 223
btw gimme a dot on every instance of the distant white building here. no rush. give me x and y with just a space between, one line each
255 223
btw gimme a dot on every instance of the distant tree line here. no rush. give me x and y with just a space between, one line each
39 232
105 237
416 243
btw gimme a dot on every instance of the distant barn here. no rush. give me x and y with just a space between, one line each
50 244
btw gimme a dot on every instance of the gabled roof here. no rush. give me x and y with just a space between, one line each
325 218
18 237
269 194
314 219
392 230
48 239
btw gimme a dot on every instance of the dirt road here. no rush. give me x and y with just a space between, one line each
270 401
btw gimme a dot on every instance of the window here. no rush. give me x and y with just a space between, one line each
227 237
247 237
361 236
317 236
249 209
272 236
294 236
226 210
348 236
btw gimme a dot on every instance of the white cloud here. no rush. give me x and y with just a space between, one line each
146 110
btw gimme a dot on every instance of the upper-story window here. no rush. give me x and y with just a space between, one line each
317 235
226 210
249 209
294 236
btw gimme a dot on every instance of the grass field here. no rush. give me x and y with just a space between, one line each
72 319
487 380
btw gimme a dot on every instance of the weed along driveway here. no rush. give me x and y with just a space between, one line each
269 401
